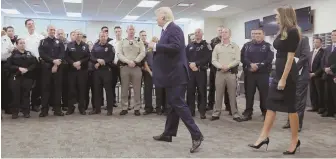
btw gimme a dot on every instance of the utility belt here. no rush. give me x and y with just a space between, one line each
233 70
137 64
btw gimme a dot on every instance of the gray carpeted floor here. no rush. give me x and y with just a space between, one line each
131 136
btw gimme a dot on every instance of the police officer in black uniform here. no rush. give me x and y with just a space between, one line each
21 65
213 70
102 56
258 59
52 54
77 56
198 54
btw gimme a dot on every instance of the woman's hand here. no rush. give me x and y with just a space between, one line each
281 84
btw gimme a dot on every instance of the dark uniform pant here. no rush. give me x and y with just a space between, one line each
20 88
102 78
115 77
6 97
301 98
89 87
161 99
197 80
179 109
260 81
77 79
148 91
65 85
51 82
330 96
316 91
36 91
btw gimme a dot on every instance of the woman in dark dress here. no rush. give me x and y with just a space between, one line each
282 90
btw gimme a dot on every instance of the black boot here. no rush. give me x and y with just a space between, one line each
97 110
15 113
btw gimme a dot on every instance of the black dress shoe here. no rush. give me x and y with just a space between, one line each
94 111
312 110
59 113
238 119
109 113
35 108
213 118
64 108
115 105
247 118
43 114
326 114
203 117
196 144
26 115
286 126
163 138
123 112
15 115
82 112
320 111
147 112
69 112
137 112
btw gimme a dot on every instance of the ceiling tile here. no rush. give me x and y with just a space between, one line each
139 11
73 7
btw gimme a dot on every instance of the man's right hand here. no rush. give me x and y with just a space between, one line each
54 69
311 75
57 62
96 65
131 64
254 67
23 70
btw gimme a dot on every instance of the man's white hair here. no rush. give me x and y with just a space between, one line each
199 29
166 12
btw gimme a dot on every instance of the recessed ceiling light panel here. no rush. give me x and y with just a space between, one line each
130 17
73 1
215 7
10 11
73 14
148 4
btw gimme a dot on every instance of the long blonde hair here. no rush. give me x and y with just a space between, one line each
287 17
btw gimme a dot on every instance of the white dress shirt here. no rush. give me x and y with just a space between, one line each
164 29
6 47
33 42
114 43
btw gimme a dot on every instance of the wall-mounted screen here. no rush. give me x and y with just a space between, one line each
249 26
270 25
303 16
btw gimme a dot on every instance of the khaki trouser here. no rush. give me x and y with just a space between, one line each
133 75
225 80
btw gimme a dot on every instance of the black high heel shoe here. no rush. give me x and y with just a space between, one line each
266 141
292 153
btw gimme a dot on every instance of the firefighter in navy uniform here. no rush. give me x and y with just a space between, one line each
77 56
102 56
258 59
52 54
198 55
21 65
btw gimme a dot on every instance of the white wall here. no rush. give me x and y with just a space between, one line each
92 28
323 18
210 27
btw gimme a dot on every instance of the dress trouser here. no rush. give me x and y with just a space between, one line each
148 91
65 90
102 78
115 77
260 81
179 109
89 87
36 91
301 98
161 99
197 81
134 76
20 87
330 96
77 84
223 81
51 82
212 87
316 87
6 96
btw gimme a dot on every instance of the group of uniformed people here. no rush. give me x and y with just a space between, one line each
51 71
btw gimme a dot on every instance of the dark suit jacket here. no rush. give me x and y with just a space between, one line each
303 53
170 66
329 59
316 63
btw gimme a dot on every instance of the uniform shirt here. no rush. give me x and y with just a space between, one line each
114 43
51 49
200 53
226 54
6 47
131 50
77 52
261 54
32 43
105 52
242 53
24 60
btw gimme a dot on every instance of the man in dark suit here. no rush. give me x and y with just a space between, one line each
170 71
316 84
330 92
302 53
